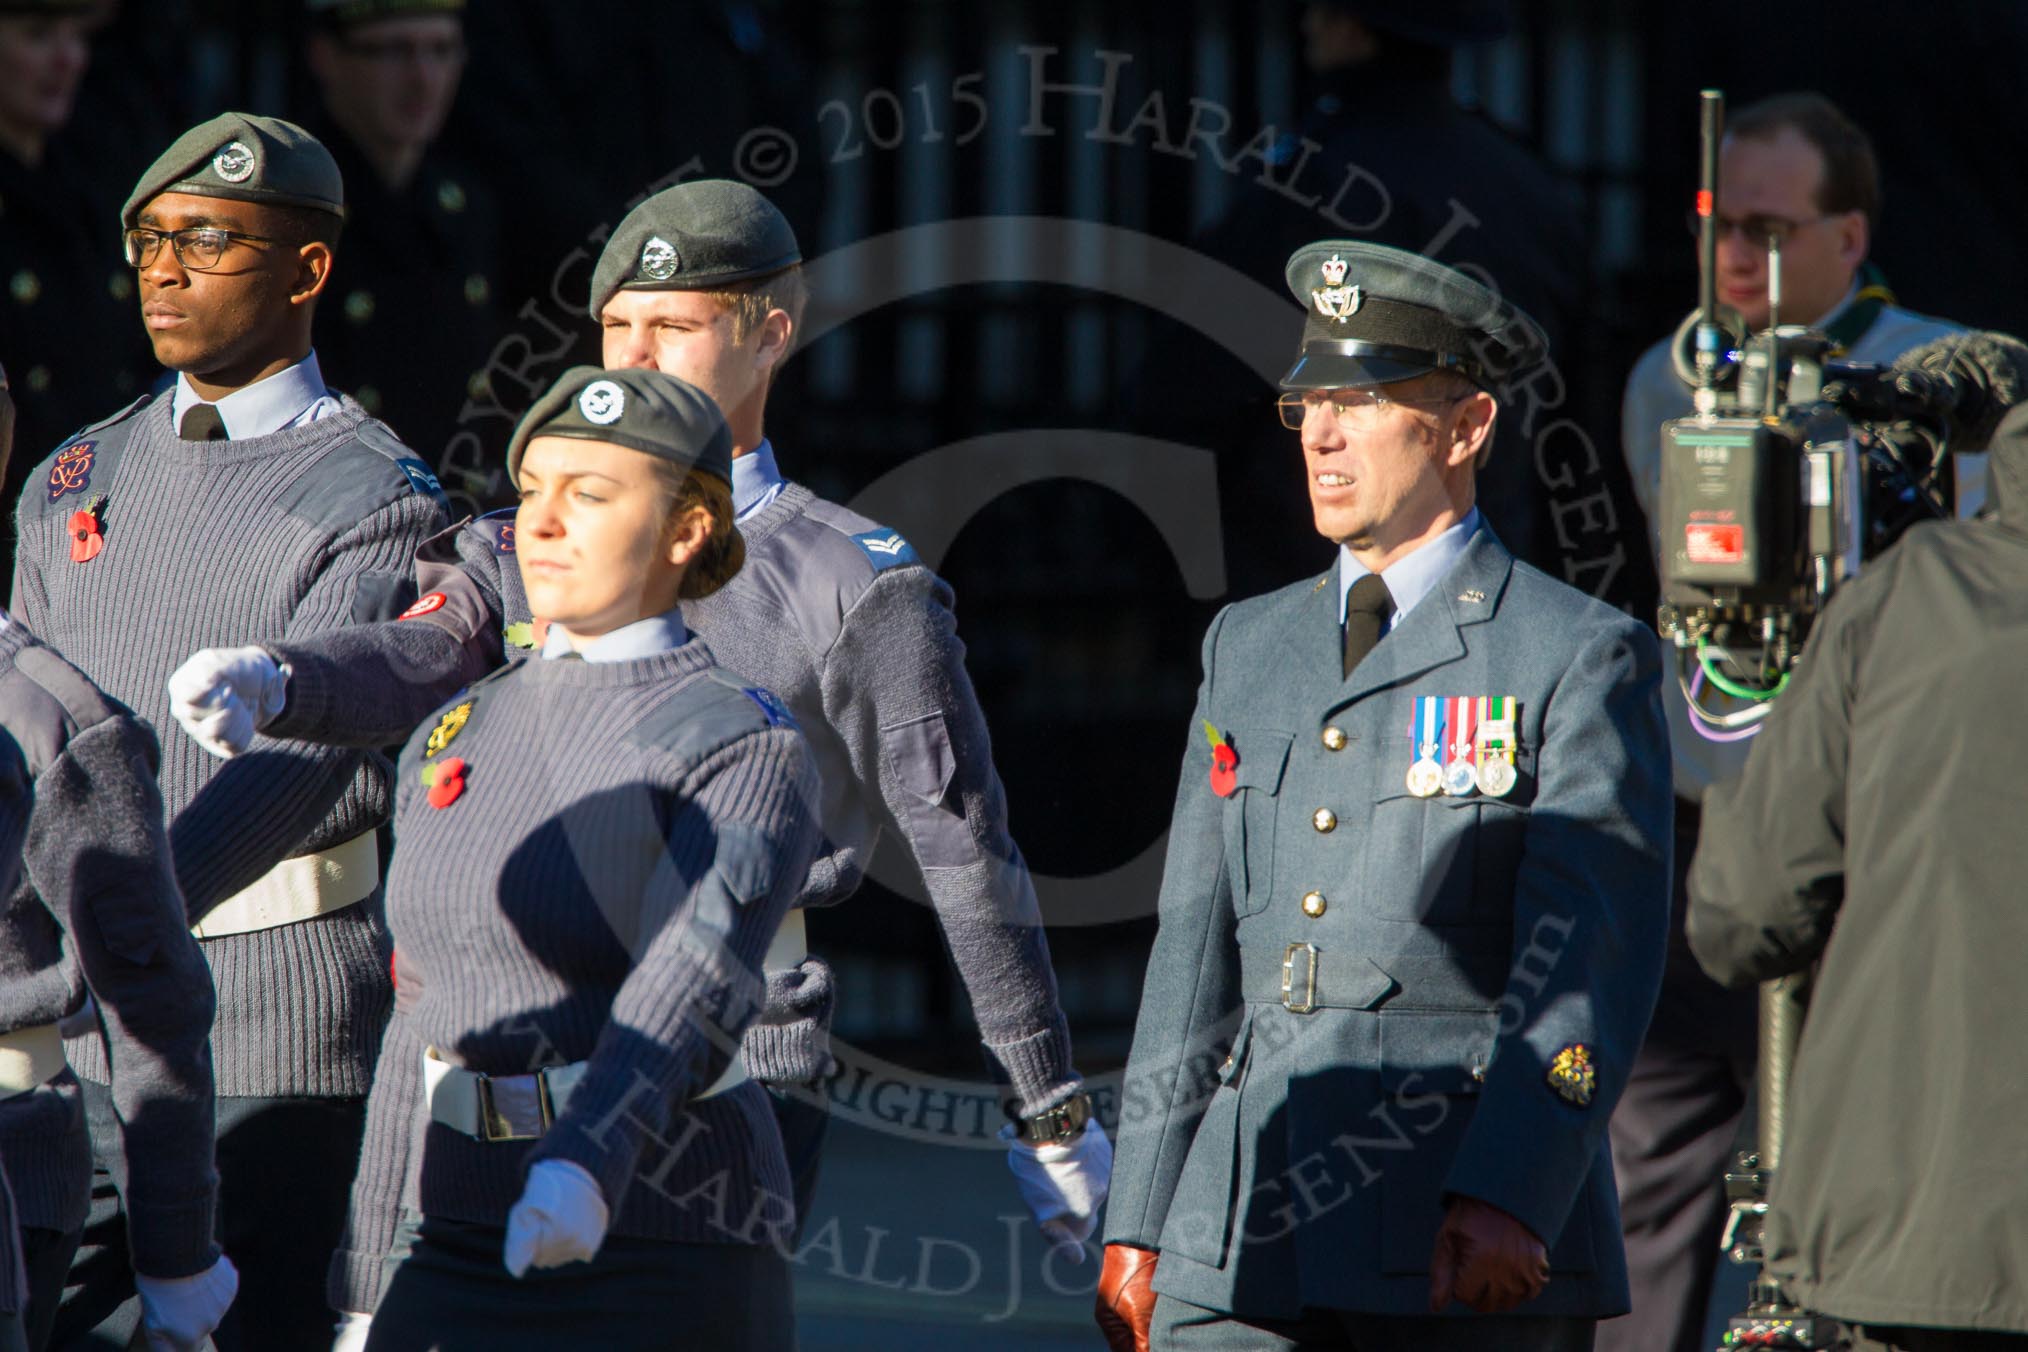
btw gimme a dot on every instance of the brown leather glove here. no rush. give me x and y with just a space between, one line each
1126 1297
1485 1258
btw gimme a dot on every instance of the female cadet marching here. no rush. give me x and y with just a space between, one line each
593 853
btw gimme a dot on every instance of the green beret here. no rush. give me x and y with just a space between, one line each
352 13
1375 315
247 158
644 410
696 236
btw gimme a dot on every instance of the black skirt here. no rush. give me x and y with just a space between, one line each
447 1291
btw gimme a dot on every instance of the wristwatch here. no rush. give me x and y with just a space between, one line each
1056 1126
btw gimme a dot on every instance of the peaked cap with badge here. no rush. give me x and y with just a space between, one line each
645 411
695 236
1375 315
246 158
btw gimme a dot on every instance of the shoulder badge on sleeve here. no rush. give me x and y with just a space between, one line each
886 548
771 707
420 478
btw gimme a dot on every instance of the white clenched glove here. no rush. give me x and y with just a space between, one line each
223 696
561 1218
179 1313
352 1331
1063 1185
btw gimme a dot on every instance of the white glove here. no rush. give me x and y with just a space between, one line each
1063 1185
223 696
179 1313
352 1331
561 1218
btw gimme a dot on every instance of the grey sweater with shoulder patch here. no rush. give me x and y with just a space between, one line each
221 544
626 839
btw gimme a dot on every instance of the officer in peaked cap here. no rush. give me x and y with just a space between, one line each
1416 891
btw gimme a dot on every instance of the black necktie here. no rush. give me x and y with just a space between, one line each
1366 609
201 423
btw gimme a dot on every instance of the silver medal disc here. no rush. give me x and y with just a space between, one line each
1496 777
1425 779
1460 781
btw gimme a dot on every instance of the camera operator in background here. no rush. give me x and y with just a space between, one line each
1882 799
1793 168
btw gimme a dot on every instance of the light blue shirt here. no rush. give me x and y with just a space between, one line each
643 638
1410 577
756 481
288 398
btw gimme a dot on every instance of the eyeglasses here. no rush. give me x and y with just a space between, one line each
1758 228
1354 409
199 248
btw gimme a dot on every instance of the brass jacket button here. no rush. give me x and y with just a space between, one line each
1334 739
1313 904
1324 820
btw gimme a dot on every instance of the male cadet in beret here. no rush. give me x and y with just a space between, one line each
66 302
833 613
1416 891
88 905
412 315
246 500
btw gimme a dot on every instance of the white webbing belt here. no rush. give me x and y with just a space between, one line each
296 889
522 1107
29 1058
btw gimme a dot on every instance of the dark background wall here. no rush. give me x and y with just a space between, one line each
1092 562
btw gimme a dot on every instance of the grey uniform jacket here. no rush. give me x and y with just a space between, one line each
90 905
1878 826
1281 1159
838 617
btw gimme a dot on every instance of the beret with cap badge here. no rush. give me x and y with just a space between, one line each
247 158
642 410
695 236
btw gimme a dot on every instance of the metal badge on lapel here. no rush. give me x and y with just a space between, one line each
1572 1076
1461 778
1425 740
1499 715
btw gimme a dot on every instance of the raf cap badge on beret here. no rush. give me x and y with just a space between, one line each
602 402
234 162
659 259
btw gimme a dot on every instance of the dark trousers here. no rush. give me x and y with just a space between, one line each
804 1117
1673 1134
1179 1326
1877 1338
285 1168
13 1331
46 1255
447 1291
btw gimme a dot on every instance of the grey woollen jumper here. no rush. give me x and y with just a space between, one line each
628 838
89 904
220 544
866 654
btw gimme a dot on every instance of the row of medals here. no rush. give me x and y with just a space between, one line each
1493 775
